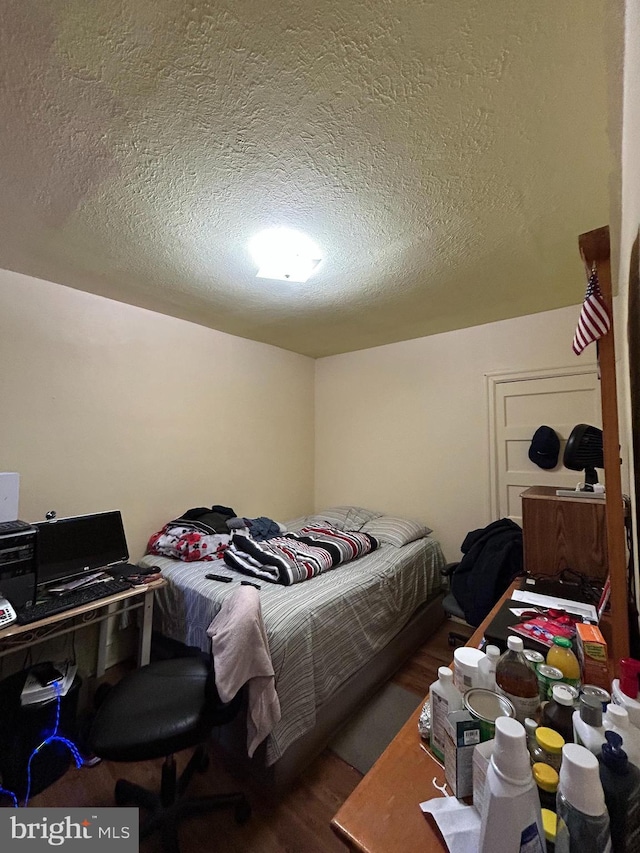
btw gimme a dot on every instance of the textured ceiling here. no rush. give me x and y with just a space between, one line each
445 156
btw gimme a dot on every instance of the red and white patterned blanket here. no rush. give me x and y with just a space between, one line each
297 557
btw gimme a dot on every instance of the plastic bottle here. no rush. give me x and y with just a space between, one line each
617 719
583 821
562 657
546 778
621 783
587 723
549 822
465 668
530 727
548 747
557 714
444 698
624 691
517 681
487 667
511 820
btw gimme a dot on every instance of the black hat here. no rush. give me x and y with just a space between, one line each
545 447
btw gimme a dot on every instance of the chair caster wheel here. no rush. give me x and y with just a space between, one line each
242 813
122 793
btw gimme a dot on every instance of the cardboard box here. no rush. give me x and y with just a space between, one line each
462 733
481 757
593 656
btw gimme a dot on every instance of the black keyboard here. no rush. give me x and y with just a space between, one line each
85 595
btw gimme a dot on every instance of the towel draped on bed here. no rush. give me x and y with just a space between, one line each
241 656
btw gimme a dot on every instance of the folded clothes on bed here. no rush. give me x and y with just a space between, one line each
183 542
299 556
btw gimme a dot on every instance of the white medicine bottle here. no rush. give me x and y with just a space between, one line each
444 698
511 820
487 668
587 724
617 720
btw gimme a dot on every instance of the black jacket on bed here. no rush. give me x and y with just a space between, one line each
492 559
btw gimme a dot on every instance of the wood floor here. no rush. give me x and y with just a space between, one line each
298 823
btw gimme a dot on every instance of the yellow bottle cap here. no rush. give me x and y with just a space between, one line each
549 824
549 740
545 777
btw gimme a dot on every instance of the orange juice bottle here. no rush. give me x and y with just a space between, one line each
562 657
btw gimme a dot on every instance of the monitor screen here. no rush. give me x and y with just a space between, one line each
70 546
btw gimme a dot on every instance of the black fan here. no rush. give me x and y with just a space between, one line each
583 452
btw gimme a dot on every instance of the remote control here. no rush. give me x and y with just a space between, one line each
249 583
222 578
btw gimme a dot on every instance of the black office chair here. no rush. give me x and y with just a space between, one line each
154 712
452 608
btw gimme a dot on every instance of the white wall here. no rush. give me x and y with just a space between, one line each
628 272
108 406
403 428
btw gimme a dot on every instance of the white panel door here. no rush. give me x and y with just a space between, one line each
518 404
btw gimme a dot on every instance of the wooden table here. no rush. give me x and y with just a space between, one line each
382 815
18 637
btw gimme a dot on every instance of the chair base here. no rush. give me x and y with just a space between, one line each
169 807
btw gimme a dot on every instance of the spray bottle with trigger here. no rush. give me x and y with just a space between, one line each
624 691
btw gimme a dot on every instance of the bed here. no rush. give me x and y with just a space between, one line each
333 638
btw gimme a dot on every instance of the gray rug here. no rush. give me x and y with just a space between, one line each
367 734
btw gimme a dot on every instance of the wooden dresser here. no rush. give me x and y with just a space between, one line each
563 533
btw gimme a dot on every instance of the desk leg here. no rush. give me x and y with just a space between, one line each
102 642
144 637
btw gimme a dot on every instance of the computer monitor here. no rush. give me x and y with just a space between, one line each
68 547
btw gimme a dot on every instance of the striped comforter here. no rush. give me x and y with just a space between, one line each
320 633
299 556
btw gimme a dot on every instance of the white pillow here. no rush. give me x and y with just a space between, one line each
342 517
396 531
347 517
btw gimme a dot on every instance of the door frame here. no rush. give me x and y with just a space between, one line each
495 378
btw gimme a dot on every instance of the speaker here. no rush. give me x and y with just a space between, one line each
19 589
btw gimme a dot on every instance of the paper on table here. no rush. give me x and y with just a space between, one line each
586 611
458 823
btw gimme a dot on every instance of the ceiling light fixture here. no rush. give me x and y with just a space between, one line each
284 254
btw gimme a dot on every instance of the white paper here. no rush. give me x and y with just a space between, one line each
458 823
586 611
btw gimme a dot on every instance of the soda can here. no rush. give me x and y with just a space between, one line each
547 677
534 659
598 692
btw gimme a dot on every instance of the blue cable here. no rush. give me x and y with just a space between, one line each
55 737
8 793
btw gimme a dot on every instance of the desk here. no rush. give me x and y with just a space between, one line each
382 815
19 637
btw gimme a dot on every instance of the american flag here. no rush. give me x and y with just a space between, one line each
594 320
